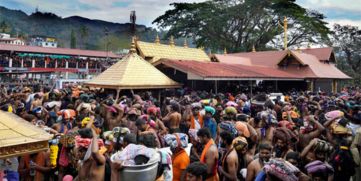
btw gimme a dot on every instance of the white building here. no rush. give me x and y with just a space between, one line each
42 41
6 39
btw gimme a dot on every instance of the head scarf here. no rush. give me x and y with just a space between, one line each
230 110
196 105
239 143
281 169
231 103
152 110
242 127
210 110
176 140
193 133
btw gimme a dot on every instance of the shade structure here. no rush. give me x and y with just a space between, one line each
132 72
18 137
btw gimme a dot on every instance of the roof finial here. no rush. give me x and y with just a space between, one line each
253 48
171 41
298 49
132 47
185 43
225 51
285 32
157 40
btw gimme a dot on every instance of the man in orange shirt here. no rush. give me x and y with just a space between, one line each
180 158
210 154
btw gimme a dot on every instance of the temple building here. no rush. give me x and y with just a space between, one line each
307 69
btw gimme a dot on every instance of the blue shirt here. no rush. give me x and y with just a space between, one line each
212 126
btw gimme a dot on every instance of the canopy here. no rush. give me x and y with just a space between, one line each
132 72
18 137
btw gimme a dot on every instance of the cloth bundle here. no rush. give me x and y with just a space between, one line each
318 167
242 129
332 115
284 134
239 143
230 110
85 142
281 169
128 154
176 140
229 127
193 133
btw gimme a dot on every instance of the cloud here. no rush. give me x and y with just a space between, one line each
344 12
344 22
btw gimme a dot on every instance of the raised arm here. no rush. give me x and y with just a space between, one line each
99 158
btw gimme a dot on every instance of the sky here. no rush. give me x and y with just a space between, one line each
345 12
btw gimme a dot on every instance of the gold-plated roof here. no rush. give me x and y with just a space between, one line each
132 72
155 52
18 136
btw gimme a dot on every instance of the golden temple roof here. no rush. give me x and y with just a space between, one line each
132 72
18 136
154 52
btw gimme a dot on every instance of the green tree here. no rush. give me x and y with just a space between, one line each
239 24
347 39
84 33
72 39
4 27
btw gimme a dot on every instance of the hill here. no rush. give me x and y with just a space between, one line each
89 34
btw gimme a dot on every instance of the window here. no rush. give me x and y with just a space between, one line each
46 44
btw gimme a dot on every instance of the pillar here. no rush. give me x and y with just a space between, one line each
77 65
216 87
22 63
56 63
87 65
66 73
311 85
45 64
334 86
33 63
10 64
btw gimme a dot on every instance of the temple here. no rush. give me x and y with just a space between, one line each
307 69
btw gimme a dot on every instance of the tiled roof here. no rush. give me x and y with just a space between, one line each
313 61
264 58
319 69
322 54
231 59
57 51
132 72
161 51
222 71
18 136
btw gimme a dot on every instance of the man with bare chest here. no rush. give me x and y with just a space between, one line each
265 150
173 118
92 161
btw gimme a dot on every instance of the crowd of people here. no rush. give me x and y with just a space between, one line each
190 135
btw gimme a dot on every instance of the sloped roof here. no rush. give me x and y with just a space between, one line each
157 51
232 59
132 72
18 136
319 69
323 54
58 51
224 71
264 58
